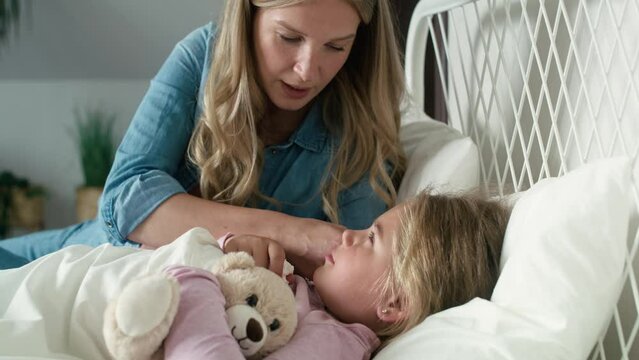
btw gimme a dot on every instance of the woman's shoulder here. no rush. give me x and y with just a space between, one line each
201 38
192 54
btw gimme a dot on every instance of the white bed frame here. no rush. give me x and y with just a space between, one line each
541 86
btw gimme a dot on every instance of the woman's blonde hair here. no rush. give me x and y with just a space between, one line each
446 253
361 109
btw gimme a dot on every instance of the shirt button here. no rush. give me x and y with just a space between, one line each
108 224
273 151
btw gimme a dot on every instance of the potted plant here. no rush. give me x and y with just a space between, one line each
21 204
93 133
9 17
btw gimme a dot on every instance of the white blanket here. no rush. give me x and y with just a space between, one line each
52 308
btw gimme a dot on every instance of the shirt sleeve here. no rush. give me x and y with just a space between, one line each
152 156
321 336
199 330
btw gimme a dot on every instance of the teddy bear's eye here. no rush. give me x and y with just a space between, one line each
252 300
274 325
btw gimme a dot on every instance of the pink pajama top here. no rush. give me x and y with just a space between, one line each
200 330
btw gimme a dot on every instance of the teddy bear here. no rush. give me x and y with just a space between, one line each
260 308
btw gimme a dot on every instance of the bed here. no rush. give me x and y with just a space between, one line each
548 92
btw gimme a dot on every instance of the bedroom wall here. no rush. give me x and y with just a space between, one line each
77 53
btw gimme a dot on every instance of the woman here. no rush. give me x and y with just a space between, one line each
282 119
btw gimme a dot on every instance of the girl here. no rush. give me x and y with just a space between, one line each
269 124
429 254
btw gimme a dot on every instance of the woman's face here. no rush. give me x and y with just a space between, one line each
300 48
347 280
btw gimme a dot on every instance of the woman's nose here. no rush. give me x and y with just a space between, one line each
306 66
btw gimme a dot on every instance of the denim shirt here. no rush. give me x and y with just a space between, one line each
151 164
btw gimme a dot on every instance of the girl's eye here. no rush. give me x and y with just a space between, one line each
371 236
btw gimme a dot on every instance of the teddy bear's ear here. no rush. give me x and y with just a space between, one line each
233 261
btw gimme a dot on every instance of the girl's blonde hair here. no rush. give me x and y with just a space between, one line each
446 253
361 109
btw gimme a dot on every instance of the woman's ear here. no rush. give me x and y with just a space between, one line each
390 312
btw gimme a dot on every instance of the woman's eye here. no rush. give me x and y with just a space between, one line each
371 236
290 39
335 47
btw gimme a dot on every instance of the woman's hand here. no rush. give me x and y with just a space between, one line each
308 241
266 252
317 239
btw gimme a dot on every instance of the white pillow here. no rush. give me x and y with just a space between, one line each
438 155
562 265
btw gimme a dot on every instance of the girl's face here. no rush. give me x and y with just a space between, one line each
347 280
300 48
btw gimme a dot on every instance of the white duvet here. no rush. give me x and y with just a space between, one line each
52 308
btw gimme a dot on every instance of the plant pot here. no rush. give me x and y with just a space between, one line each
86 202
27 212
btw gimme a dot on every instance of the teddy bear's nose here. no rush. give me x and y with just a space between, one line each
254 330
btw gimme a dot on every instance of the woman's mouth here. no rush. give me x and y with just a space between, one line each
295 92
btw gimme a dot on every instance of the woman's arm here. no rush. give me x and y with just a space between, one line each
305 239
150 164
